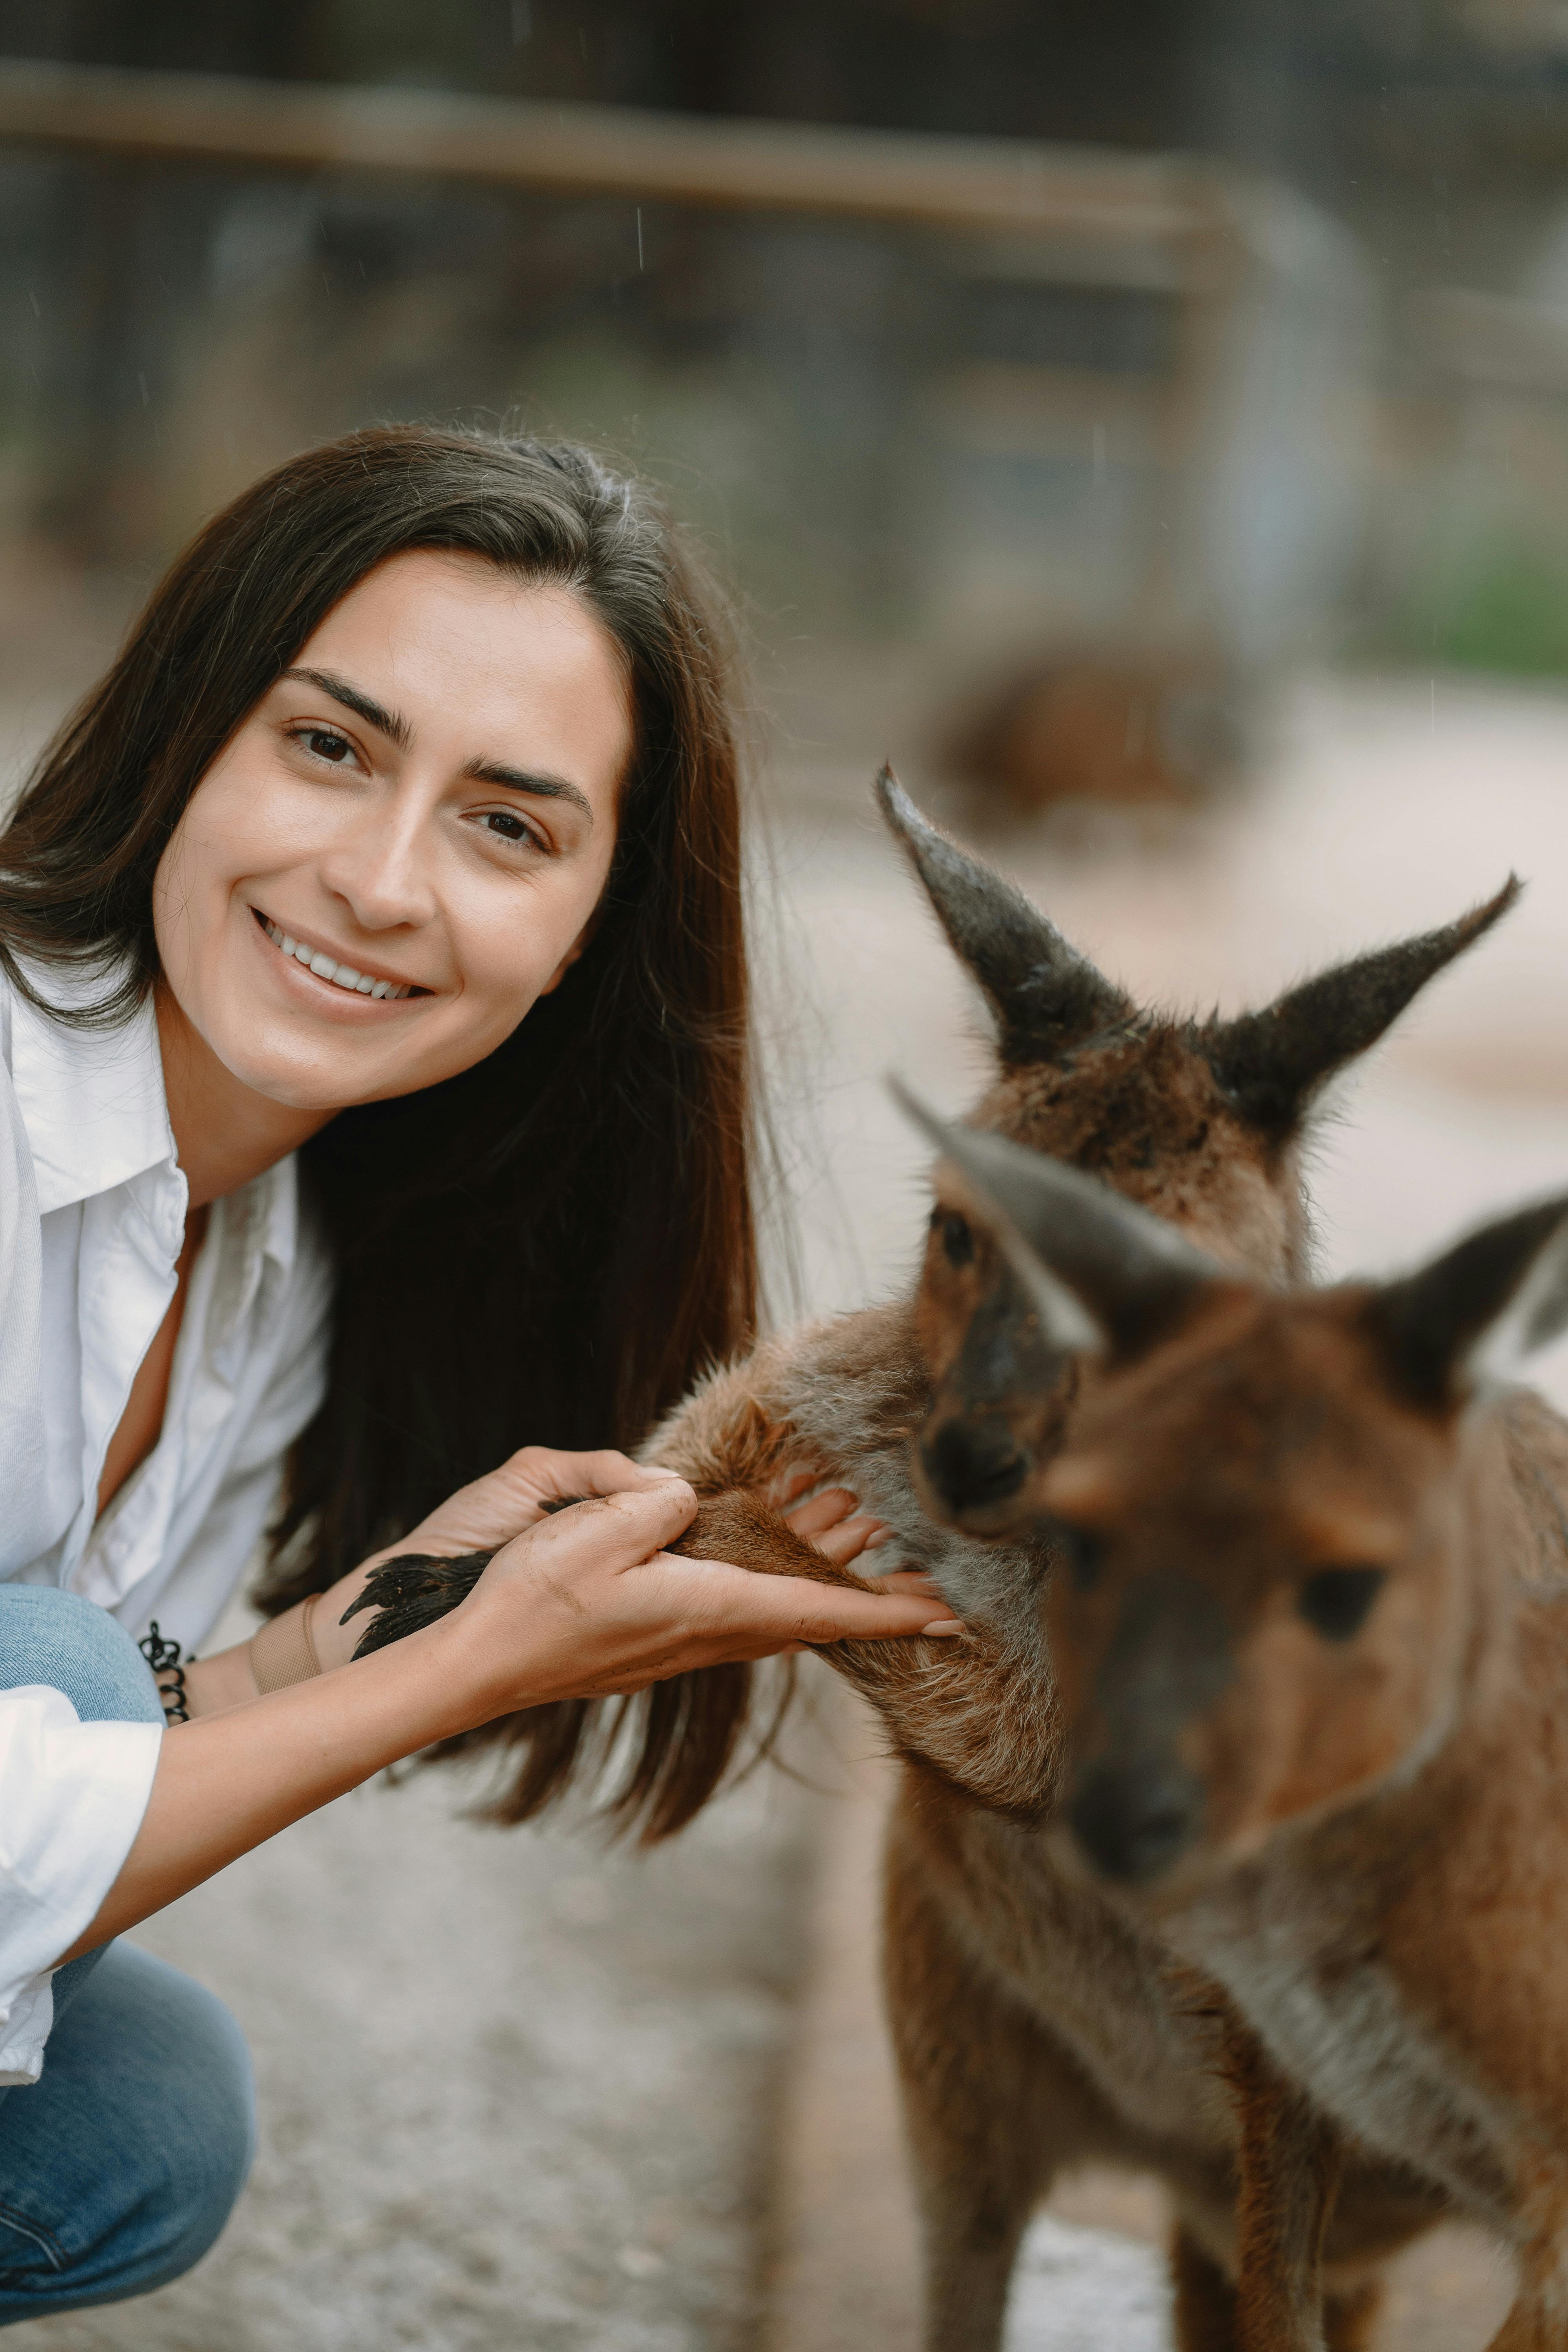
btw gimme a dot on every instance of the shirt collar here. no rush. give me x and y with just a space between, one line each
260 1222
91 1101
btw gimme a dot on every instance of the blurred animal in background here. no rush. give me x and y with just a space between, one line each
1035 2027
1311 1649
1117 728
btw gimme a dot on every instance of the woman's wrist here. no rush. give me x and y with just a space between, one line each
214 1684
231 1678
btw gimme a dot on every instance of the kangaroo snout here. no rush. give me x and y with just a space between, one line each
1133 1819
971 1465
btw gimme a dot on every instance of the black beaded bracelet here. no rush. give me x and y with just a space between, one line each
164 1658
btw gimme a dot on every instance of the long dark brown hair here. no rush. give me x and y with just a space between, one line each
549 1247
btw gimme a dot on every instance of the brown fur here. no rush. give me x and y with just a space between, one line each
1290 2165
1375 1861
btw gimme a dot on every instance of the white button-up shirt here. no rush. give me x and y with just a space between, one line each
92 1214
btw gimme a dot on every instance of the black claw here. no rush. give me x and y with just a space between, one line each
413 1591
415 1588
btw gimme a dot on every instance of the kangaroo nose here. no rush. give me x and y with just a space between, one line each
969 1463
1133 1819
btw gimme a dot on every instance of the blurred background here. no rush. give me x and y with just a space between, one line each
1262 358
1146 420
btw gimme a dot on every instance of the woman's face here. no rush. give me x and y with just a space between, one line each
402 848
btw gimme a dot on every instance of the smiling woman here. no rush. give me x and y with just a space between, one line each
374 1140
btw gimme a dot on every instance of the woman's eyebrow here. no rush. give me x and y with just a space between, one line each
529 780
390 723
396 728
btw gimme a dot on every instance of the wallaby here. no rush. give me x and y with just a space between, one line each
1034 2027
1312 1656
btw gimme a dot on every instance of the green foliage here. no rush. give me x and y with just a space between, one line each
1505 609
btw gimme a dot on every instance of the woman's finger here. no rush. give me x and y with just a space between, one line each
606 1534
524 1489
556 1477
781 1609
912 1581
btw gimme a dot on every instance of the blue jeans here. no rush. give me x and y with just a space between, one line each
119 2167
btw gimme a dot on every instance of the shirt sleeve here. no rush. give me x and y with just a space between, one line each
72 1795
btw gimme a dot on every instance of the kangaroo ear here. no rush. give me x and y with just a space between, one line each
1106 1276
1046 997
1271 1063
1477 1311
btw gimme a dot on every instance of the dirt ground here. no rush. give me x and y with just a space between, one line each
516 2093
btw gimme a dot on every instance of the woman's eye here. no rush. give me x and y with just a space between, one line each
325 743
508 826
1337 1602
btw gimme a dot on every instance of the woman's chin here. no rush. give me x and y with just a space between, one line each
333 1074
299 1081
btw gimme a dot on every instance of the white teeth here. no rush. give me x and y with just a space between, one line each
326 967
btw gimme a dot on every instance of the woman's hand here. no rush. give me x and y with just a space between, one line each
493 1510
481 1517
582 1604
488 1513
589 1604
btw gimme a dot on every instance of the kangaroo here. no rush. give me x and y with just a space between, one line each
1034 2027
1312 1661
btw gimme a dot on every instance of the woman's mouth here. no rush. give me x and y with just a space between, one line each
326 966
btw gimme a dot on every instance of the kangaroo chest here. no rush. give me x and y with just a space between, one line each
1313 1983
1132 2018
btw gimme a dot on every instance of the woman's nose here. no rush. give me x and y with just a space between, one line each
381 871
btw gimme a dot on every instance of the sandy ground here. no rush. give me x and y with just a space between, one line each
516 2093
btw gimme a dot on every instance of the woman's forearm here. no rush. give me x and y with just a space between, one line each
226 1783
228 1679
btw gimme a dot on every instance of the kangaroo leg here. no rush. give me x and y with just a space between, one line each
989 2107
1204 2315
1291 2159
1204 2300
1531 2326
1538 2319
1350 2316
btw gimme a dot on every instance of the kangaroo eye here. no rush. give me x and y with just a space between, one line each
1081 1550
957 1239
1337 1602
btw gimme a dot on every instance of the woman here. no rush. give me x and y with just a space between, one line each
373 1093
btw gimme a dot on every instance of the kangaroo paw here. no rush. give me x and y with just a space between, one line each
415 1589
412 1592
